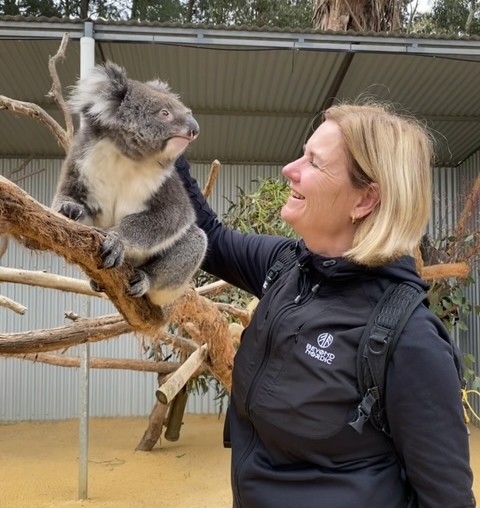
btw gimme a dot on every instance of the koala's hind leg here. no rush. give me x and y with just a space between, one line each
165 277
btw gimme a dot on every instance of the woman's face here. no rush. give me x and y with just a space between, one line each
323 200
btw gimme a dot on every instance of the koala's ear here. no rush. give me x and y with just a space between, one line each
158 85
99 95
161 86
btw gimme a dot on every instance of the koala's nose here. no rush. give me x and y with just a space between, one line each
194 128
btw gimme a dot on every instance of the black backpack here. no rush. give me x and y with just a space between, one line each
377 344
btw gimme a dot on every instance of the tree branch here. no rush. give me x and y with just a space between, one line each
212 178
446 271
101 363
242 314
56 90
78 332
27 220
40 115
12 305
48 280
3 245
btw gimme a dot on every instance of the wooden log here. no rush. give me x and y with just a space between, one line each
154 429
48 280
212 178
446 271
78 332
167 391
12 305
100 363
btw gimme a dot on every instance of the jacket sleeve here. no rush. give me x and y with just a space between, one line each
240 259
425 414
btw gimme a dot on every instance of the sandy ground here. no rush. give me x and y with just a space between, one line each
39 466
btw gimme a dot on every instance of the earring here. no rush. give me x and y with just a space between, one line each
354 219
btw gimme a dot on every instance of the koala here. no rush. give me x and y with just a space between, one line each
119 177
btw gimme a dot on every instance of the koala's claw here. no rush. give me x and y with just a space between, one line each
73 211
113 251
96 286
139 284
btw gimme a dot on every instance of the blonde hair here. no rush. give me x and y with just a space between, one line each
396 153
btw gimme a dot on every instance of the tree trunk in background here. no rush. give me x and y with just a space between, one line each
84 4
190 11
134 9
359 15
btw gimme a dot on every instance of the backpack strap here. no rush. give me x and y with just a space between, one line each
376 347
285 258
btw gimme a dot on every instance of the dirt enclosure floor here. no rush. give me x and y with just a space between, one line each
39 466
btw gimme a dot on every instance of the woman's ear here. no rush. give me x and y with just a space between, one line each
368 201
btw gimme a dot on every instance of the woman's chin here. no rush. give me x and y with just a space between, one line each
288 215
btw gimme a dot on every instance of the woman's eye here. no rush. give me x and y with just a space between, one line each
314 164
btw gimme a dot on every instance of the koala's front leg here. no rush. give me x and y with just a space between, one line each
139 283
72 210
113 250
112 254
166 275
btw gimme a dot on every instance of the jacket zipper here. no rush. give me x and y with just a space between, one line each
241 462
261 369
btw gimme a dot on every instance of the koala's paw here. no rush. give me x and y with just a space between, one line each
139 284
73 211
96 286
113 251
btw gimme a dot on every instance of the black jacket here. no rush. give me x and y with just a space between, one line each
295 386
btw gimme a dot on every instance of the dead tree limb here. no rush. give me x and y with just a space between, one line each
154 429
3 245
472 200
78 332
213 288
212 178
100 363
56 90
445 271
48 280
38 114
167 391
242 314
12 305
213 330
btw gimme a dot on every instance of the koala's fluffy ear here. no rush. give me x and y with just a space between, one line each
99 95
160 86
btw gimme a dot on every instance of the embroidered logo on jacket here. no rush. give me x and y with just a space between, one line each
324 341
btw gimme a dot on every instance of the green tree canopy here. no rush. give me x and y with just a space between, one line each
281 13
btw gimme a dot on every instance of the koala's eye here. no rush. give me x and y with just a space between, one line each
165 112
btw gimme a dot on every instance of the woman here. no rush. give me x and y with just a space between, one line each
360 200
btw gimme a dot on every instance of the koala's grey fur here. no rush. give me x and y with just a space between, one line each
119 176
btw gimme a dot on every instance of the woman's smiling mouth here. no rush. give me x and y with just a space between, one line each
296 195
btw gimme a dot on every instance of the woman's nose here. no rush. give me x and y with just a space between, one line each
291 170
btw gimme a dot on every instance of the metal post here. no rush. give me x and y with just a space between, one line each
87 61
84 415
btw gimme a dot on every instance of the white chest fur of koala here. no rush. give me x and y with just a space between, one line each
120 176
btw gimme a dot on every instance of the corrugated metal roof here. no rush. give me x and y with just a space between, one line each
254 91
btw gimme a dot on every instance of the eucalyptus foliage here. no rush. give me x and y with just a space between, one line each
279 13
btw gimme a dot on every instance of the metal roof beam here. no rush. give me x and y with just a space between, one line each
242 39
